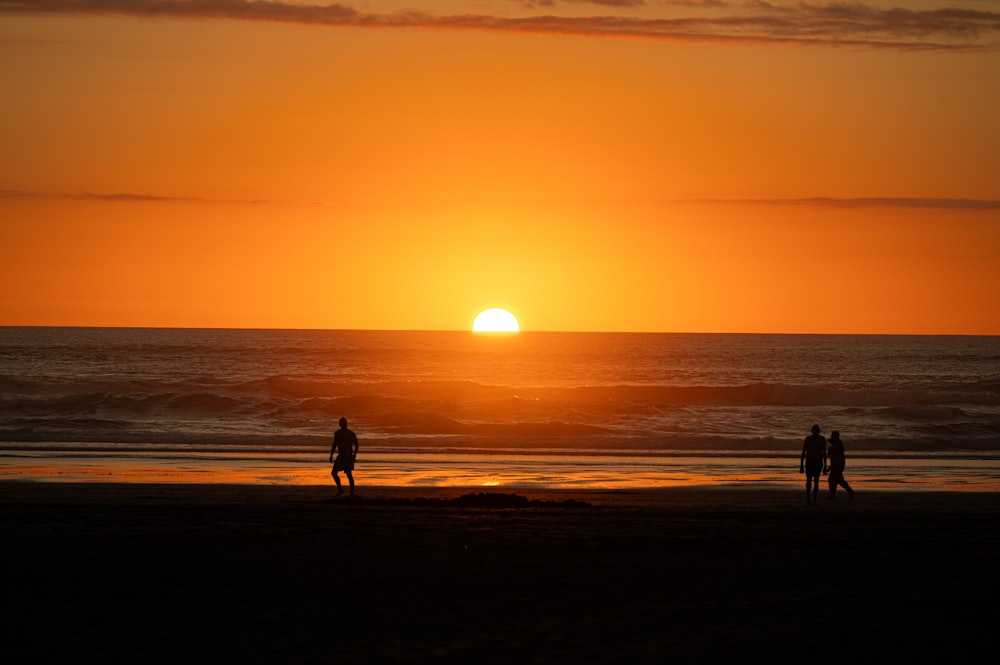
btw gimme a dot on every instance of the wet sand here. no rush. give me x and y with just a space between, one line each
244 573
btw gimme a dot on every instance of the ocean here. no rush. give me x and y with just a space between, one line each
533 409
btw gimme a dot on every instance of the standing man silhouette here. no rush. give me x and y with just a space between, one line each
813 461
345 444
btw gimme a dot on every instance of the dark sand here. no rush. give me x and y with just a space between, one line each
262 574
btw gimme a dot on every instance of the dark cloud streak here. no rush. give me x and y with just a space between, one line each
127 197
837 24
867 202
823 201
90 196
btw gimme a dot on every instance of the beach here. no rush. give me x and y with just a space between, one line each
116 572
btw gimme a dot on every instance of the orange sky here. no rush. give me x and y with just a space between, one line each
769 168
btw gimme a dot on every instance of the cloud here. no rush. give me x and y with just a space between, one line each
90 196
602 3
825 201
870 202
832 24
127 197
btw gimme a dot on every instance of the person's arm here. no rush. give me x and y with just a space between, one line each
333 447
802 460
355 446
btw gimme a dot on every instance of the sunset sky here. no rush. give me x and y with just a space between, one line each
606 165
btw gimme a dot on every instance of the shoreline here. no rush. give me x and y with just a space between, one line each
117 491
505 470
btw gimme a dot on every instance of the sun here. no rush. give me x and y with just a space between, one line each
496 319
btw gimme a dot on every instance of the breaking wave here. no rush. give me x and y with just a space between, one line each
295 408
552 390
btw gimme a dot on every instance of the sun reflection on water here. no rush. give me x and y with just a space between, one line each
511 469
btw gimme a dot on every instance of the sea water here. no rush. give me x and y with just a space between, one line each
533 409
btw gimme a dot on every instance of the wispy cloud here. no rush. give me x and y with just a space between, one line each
128 197
832 24
824 201
549 4
90 196
869 202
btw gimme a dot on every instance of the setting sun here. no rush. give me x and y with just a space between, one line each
495 319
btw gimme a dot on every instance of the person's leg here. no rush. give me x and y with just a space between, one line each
812 486
350 479
336 478
836 478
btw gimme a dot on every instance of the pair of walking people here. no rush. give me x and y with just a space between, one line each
816 459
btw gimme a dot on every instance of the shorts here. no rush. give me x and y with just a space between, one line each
814 467
343 463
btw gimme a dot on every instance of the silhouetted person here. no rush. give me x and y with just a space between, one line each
838 459
345 444
812 461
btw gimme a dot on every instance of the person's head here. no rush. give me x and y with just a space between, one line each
835 435
343 422
815 429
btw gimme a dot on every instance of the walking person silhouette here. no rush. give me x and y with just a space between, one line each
812 462
838 460
345 444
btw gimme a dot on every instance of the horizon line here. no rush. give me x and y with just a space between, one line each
511 334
